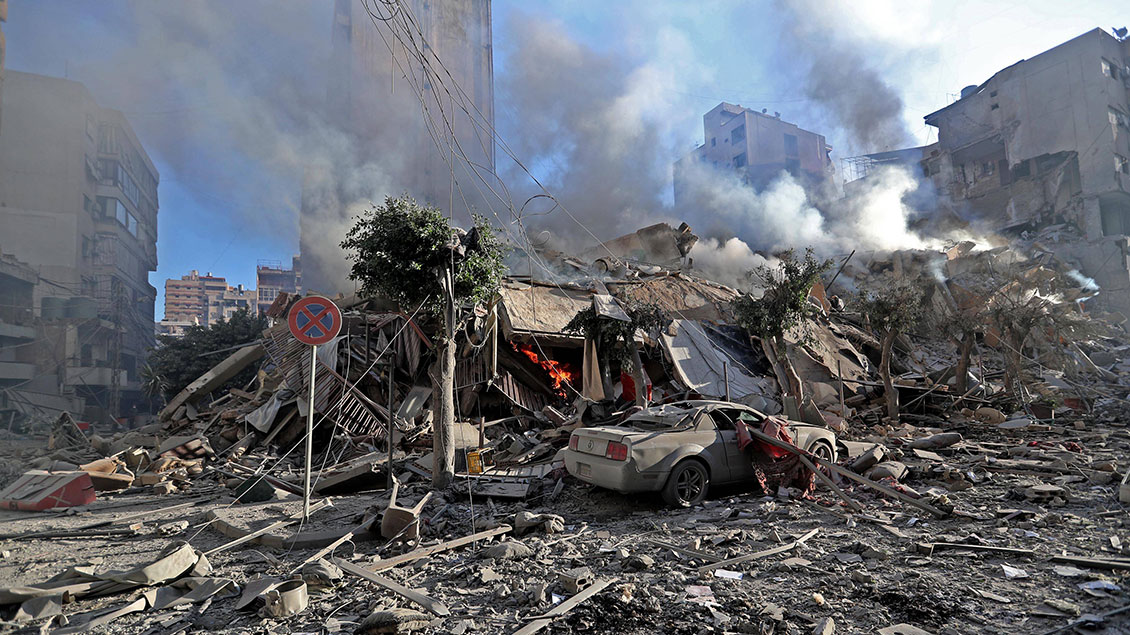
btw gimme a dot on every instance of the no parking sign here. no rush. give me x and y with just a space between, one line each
314 320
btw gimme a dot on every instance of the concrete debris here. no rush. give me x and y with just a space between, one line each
396 620
830 505
509 550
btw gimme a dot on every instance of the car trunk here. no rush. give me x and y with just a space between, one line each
595 440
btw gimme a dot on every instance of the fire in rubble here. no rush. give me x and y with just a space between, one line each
560 372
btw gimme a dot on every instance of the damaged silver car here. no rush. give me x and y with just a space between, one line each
680 449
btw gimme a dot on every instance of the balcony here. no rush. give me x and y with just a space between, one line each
94 376
16 371
16 331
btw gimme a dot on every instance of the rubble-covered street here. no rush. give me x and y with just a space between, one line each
488 316
972 512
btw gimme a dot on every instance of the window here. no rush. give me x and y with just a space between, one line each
1121 164
132 225
993 94
1110 69
791 149
737 135
129 187
792 164
713 141
988 167
994 106
739 161
1022 169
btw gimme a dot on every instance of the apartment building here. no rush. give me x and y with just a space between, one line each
757 145
78 204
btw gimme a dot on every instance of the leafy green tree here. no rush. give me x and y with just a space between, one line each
783 306
410 253
891 309
615 339
176 362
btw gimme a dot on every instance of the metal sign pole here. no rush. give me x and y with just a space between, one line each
391 421
309 435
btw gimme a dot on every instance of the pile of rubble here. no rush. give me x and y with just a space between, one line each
977 507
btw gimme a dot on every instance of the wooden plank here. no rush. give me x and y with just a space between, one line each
709 557
831 485
848 474
435 607
547 618
412 556
760 554
939 546
269 528
1094 563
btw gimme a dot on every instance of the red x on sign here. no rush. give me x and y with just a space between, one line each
314 320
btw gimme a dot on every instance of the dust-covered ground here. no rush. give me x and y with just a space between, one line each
866 571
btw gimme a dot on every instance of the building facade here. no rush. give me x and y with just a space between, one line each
78 203
202 300
1046 143
271 278
374 98
757 145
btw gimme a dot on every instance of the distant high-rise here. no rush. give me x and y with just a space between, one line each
394 143
759 146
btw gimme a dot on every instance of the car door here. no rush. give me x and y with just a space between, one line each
737 460
707 434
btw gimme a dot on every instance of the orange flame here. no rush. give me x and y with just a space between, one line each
560 372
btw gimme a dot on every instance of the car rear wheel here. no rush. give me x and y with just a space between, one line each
824 450
688 484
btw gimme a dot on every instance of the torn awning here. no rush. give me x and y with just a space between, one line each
541 309
698 363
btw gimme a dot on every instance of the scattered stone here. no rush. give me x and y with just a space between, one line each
487 576
986 414
640 562
392 621
321 574
576 580
826 626
868 459
509 550
550 523
937 441
1045 492
171 529
1013 572
1063 606
888 469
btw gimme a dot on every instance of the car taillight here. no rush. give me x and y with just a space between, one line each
616 451
573 440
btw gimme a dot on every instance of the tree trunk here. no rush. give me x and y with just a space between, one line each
443 414
795 385
443 403
885 372
964 352
637 376
1013 360
778 369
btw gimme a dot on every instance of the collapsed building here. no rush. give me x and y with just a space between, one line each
523 383
1040 151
